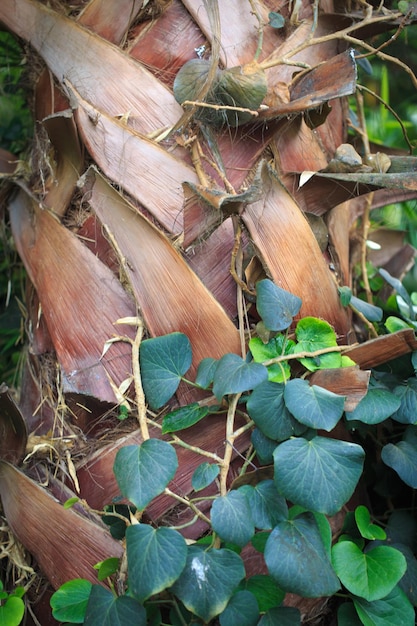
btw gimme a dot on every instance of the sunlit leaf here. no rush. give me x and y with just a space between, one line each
314 334
365 526
69 603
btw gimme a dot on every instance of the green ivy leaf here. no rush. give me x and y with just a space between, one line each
375 407
276 347
116 525
142 472
347 615
12 611
268 507
276 20
402 457
264 447
394 324
231 518
365 526
208 581
163 362
204 475
282 615
242 610
265 590
314 334
107 568
234 375
205 372
407 413
320 474
267 408
276 306
105 609
313 406
370 311
184 417
371 575
297 560
155 557
393 609
345 295
69 602
401 291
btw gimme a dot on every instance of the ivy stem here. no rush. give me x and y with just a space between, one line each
187 446
140 396
304 355
230 438
188 503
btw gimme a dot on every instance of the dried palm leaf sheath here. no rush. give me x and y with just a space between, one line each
169 294
351 382
287 244
80 298
99 71
64 544
13 429
63 181
110 19
137 164
383 348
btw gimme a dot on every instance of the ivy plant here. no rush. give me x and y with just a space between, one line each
305 476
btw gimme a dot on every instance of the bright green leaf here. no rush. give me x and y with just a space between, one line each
375 407
242 610
282 615
231 518
395 608
204 475
313 406
70 502
156 558
320 474
234 375
314 334
12 612
184 417
267 408
402 457
394 324
366 528
163 362
142 472
107 568
208 581
296 558
268 507
276 347
371 575
265 590
105 609
69 603
276 306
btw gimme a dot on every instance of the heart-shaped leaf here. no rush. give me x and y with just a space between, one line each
155 557
267 408
402 457
297 560
371 575
370 311
231 518
12 611
234 375
264 447
375 407
276 347
142 472
242 610
163 362
205 372
276 306
365 526
314 334
319 474
268 507
105 609
208 580
313 406
395 608
69 602
184 417
204 475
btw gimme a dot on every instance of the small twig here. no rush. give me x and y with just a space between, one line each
139 393
218 107
366 222
188 503
367 323
230 439
187 446
304 355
